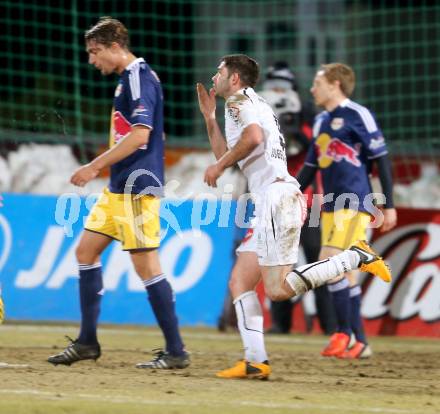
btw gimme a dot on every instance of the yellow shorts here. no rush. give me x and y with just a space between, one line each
342 228
132 220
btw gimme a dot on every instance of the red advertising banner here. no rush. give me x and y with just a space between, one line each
410 304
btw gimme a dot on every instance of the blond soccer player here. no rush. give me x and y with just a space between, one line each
347 141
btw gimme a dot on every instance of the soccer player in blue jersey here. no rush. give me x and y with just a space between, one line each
346 142
128 210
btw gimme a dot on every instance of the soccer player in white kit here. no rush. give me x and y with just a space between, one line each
254 141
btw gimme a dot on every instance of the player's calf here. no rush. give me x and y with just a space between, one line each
275 287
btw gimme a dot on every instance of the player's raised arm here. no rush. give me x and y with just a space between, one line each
207 107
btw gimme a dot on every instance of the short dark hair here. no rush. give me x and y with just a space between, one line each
246 67
107 31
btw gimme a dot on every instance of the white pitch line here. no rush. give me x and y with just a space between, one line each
13 366
227 337
208 403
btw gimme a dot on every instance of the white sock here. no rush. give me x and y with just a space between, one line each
250 325
312 275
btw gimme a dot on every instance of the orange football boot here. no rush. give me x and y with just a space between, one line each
338 344
357 351
246 369
371 262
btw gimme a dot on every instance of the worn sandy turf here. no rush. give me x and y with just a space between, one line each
402 377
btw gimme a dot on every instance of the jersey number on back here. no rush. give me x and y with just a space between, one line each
282 141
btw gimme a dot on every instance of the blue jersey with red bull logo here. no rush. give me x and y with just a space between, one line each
345 142
138 101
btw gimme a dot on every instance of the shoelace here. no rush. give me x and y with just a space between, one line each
158 353
72 341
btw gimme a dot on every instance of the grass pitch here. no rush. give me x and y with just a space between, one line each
403 376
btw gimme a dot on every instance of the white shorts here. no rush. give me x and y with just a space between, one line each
280 212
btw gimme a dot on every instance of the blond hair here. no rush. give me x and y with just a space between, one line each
342 73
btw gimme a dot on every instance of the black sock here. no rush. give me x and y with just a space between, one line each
161 297
90 294
356 318
341 299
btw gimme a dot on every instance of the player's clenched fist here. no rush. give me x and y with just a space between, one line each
212 173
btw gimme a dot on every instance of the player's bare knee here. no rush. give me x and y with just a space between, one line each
84 255
80 254
146 270
237 285
232 284
276 294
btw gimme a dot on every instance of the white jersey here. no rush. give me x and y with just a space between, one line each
266 163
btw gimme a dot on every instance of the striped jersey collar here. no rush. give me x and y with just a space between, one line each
344 102
135 62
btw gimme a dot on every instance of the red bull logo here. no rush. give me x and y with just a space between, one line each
339 151
333 149
121 127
